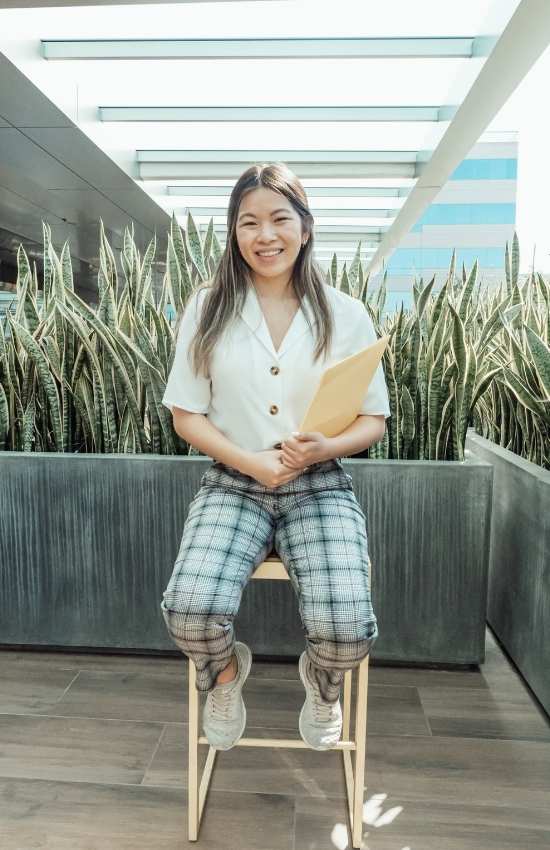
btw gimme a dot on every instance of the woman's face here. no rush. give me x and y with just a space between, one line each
267 221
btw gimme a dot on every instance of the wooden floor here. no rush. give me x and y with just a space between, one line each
93 757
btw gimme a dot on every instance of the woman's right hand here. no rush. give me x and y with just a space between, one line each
267 469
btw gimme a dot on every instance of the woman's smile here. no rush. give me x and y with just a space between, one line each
269 257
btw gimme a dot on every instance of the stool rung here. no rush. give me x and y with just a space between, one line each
292 743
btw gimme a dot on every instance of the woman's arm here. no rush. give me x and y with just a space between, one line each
307 447
196 429
367 429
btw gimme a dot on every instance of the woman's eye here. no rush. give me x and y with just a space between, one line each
283 218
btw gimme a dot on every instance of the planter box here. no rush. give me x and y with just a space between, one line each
88 543
519 567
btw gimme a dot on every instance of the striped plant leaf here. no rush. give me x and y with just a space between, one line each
353 273
438 306
462 358
423 296
467 292
407 420
364 291
194 246
34 351
144 277
521 392
541 359
208 240
4 418
334 270
514 261
380 296
343 283
446 420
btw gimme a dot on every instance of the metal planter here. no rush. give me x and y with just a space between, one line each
88 543
518 608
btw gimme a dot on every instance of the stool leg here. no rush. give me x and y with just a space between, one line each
360 750
346 715
346 736
193 752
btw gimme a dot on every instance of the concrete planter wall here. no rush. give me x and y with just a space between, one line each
518 608
88 543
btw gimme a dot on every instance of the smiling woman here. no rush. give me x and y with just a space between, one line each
250 350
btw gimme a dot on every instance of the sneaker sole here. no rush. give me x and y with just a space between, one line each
245 673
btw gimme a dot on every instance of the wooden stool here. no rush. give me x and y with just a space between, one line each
273 568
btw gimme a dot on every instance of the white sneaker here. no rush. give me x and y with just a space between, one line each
320 721
224 714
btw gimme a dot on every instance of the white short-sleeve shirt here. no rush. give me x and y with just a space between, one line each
257 396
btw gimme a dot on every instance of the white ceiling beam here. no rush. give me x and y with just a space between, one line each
276 113
523 40
314 170
229 155
223 163
33 4
312 191
325 212
266 48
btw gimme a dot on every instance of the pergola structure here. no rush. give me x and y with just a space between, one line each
426 101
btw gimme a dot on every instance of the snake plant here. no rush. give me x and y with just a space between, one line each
77 378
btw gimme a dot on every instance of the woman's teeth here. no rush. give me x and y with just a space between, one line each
269 253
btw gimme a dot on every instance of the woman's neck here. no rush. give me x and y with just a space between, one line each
275 290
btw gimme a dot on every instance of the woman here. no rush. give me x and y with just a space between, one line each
250 350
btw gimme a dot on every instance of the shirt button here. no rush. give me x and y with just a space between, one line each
274 370
273 409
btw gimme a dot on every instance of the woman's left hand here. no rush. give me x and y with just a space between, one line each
305 448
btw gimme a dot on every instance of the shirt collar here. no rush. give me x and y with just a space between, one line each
253 315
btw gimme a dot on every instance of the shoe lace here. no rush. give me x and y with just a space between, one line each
221 703
323 711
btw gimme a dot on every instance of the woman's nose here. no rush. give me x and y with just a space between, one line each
266 233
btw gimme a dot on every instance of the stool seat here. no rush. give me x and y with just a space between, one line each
354 773
271 567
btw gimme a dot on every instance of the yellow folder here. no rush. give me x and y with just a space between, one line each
342 389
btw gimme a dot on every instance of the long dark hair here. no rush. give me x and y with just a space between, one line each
229 285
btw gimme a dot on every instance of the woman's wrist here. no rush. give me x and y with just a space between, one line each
245 462
331 449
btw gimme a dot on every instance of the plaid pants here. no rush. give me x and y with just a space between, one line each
318 529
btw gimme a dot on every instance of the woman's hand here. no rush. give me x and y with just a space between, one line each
304 448
273 467
267 468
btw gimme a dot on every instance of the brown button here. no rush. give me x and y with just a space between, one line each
274 370
273 409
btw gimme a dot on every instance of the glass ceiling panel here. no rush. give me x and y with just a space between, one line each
298 18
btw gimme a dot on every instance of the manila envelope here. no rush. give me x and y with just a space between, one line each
342 389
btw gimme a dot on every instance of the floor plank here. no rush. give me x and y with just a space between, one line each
93 756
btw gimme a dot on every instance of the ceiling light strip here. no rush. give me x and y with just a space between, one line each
269 48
